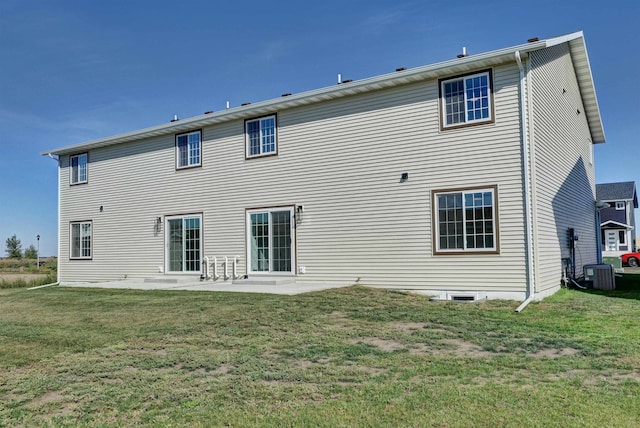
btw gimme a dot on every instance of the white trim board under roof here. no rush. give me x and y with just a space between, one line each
617 223
428 72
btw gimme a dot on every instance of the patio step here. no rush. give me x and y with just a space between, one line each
172 280
265 281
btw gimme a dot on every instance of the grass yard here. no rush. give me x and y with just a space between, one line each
21 273
343 357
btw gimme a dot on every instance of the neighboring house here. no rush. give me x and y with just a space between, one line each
618 219
459 179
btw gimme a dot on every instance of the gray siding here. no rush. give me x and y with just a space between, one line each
563 176
342 160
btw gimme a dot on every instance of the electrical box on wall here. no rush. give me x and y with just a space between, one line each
572 237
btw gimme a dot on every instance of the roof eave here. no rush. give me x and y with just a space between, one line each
581 64
434 71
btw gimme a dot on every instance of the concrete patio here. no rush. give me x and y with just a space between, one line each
287 286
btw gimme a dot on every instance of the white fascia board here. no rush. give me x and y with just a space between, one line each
581 64
627 226
553 41
450 67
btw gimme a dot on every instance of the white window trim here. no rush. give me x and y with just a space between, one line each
72 176
167 239
495 222
81 257
248 155
177 150
293 241
443 104
620 206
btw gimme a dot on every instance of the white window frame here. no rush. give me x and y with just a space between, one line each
261 137
494 249
190 163
620 206
76 172
292 231
184 238
465 80
85 252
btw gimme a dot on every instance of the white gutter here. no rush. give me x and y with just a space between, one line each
428 72
527 181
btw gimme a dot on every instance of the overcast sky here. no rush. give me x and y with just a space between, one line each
74 71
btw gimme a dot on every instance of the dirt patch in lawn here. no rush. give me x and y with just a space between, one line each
409 327
555 353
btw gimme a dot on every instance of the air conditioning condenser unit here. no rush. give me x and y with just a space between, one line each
602 276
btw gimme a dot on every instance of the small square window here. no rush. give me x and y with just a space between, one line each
261 136
619 205
466 100
188 147
78 168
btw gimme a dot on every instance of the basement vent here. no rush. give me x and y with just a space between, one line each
463 298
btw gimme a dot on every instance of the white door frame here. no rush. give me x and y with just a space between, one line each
167 256
269 211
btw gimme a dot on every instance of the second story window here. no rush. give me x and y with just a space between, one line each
466 100
261 136
619 205
188 149
78 164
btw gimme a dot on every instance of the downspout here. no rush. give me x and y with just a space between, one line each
57 159
598 235
527 181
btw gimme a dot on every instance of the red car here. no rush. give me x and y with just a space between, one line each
631 259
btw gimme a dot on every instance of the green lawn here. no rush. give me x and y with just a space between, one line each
344 357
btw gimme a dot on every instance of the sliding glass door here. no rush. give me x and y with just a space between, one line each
270 237
183 243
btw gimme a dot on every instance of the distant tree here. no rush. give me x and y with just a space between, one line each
14 247
31 252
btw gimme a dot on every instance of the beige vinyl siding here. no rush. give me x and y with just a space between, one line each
342 160
563 175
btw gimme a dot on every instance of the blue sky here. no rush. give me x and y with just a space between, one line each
74 71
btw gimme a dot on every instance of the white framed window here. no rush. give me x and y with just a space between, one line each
260 136
619 205
467 99
465 220
78 168
183 243
80 237
188 149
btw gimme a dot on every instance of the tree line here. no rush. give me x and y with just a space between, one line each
14 249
